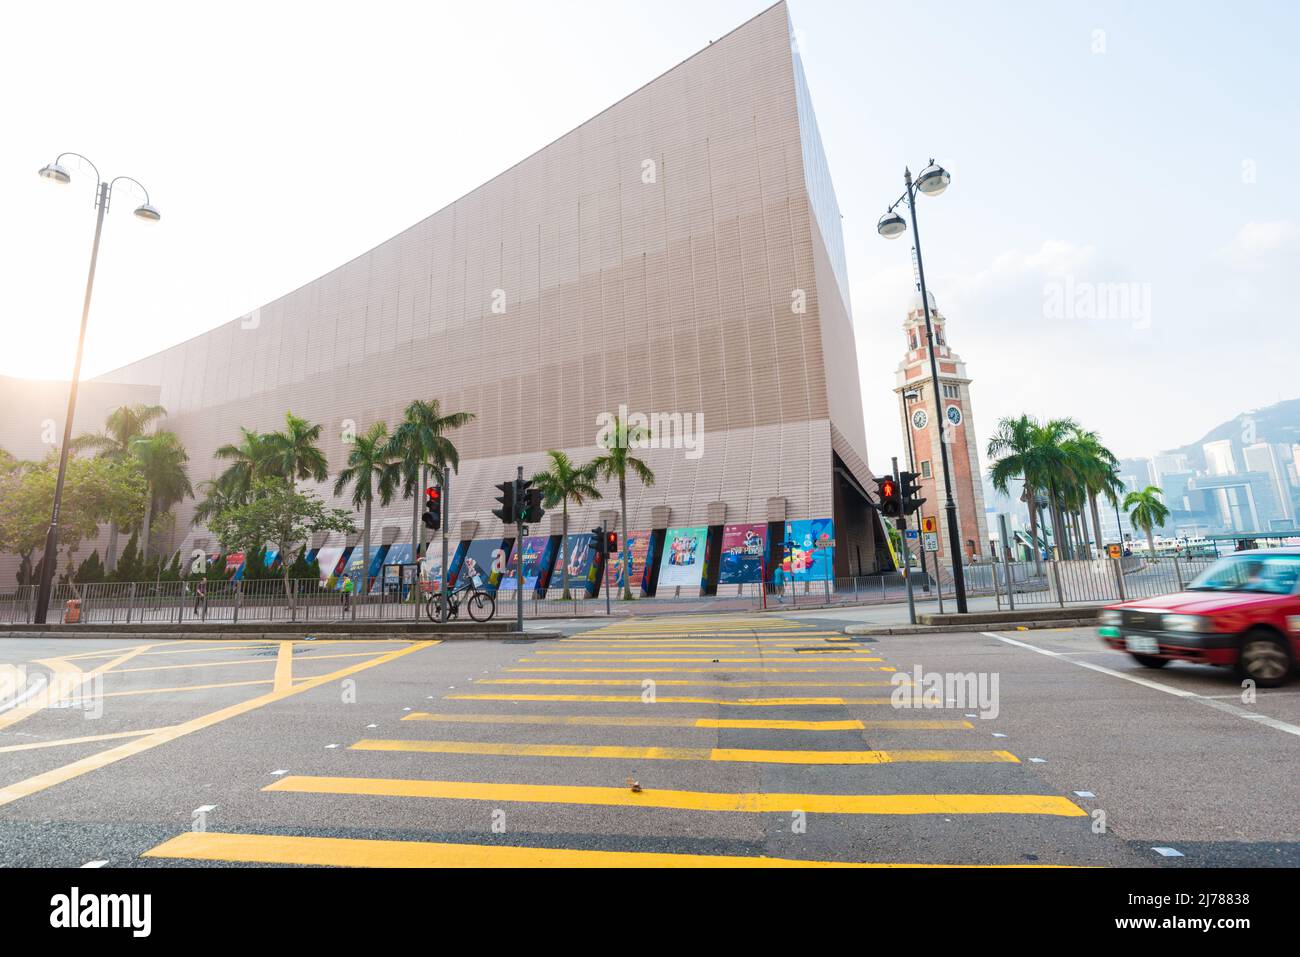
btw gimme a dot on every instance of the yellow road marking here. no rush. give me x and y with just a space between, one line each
48 779
642 651
66 682
34 745
355 852
763 724
745 803
730 671
665 699
682 661
741 755
284 666
682 681
204 687
241 661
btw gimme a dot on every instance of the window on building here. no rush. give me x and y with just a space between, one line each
925 470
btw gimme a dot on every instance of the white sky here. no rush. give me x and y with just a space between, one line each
281 139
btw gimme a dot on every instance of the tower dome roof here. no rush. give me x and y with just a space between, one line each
916 302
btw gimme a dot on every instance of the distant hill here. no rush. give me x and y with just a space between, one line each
1278 423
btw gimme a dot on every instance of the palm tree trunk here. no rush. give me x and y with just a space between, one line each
1058 536
415 526
627 555
148 520
365 553
564 551
1033 529
1096 520
1084 538
1151 541
110 554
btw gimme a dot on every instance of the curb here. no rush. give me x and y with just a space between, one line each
969 628
304 634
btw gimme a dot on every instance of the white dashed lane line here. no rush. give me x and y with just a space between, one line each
1236 710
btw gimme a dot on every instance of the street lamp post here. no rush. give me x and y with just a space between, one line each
56 173
932 182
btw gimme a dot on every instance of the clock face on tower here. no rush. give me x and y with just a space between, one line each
954 415
920 419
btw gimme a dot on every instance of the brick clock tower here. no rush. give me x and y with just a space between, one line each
927 428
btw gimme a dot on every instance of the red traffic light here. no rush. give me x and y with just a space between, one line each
433 492
888 489
611 542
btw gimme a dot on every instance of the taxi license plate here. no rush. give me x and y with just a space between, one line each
1142 645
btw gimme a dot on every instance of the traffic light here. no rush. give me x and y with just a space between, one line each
530 502
909 491
611 543
433 507
597 542
890 502
507 499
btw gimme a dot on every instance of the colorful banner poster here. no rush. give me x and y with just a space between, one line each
431 567
810 549
483 565
742 554
580 560
355 563
328 559
638 545
683 561
534 549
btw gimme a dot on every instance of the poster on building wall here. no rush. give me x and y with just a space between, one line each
482 565
580 561
638 546
355 564
809 553
742 554
328 559
534 547
683 559
397 555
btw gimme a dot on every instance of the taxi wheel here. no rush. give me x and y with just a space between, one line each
1150 661
1264 658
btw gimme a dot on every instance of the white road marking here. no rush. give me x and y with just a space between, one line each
280 772
1243 713
1168 852
1084 794
93 864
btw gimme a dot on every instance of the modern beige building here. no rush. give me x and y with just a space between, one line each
678 255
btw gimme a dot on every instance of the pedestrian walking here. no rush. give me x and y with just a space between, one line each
201 597
348 587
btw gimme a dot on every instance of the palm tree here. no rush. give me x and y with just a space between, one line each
1147 511
369 466
294 453
161 460
248 463
1010 453
561 484
617 461
123 425
215 501
421 443
1096 466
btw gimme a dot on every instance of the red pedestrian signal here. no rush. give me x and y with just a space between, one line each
611 543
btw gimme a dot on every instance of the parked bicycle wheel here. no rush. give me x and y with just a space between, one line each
431 607
482 606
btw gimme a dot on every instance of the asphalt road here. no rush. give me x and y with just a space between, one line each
735 740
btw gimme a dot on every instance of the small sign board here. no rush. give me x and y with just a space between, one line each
1115 551
912 534
931 541
930 525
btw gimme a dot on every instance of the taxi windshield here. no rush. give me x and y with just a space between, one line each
1263 574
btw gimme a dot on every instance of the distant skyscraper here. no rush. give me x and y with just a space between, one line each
1219 459
1263 457
1171 463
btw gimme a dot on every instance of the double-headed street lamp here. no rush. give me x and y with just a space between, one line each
56 173
932 182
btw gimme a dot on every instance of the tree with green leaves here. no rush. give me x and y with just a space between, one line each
418 444
1095 466
123 426
370 469
617 461
161 461
1147 511
247 459
278 514
1037 454
560 483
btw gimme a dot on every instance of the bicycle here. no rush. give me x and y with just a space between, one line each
481 605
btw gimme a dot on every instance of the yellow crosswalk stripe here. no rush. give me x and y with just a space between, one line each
744 803
666 699
356 852
621 721
740 755
623 652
